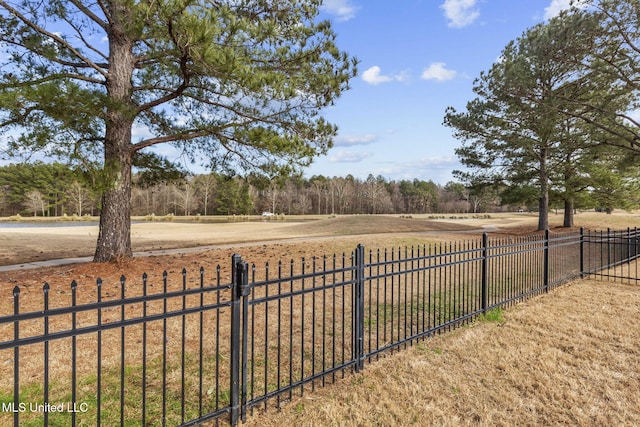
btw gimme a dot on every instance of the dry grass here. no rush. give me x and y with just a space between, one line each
31 282
20 245
30 244
571 357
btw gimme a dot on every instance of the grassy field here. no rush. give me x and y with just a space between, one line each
37 243
32 244
569 357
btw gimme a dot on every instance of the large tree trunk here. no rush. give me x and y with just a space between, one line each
543 212
543 204
114 236
568 213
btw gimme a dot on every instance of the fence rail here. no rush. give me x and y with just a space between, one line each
207 350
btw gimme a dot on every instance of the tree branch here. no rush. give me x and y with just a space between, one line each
50 78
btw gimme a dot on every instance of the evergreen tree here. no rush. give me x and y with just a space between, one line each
514 133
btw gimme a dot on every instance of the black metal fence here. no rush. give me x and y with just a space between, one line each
205 350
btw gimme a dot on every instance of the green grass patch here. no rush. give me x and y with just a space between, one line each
495 315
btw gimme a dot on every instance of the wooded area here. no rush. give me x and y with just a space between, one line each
53 189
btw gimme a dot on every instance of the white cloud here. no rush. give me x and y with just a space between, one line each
438 162
139 132
351 140
340 8
558 6
438 169
460 13
438 71
344 156
374 76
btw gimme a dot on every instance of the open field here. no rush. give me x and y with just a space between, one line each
29 244
570 357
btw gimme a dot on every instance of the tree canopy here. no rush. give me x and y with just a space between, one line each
235 84
611 100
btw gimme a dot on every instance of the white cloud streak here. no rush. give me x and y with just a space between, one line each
439 169
558 6
374 76
345 156
339 8
438 71
460 13
352 140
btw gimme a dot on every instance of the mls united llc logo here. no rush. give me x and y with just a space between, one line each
44 407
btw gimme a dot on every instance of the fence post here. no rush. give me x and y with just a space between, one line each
636 241
628 259
239 292
608 247
546 260
358 321
16 357
582 252
245 290
485 272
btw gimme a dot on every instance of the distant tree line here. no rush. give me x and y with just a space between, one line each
54 189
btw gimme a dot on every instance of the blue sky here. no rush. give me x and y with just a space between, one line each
416 58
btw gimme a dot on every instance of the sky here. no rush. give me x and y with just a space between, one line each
417 57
